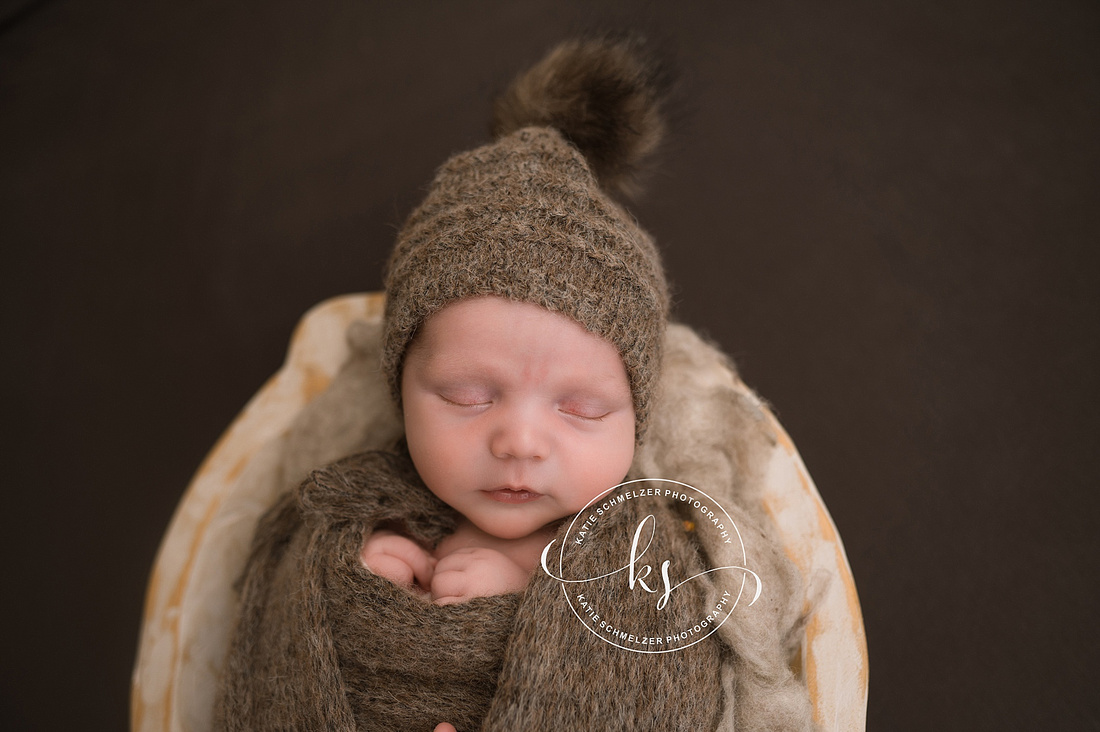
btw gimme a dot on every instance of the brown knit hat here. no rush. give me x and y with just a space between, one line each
524 217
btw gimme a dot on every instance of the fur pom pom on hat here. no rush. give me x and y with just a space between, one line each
603 96
526 217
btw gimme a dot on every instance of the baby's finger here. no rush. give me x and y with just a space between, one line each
460 560
395 570
423 566
451 585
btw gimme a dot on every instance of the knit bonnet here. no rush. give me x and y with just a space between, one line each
529 218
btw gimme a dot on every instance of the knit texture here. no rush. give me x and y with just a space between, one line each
322 643
704 431
525 218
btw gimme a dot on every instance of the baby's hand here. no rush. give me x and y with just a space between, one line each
397 558
475 572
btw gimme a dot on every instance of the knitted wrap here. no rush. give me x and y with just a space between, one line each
323 644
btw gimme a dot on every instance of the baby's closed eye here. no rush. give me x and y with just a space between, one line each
584 409
466 396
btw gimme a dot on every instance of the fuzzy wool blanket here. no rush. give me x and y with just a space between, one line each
321 643
324 644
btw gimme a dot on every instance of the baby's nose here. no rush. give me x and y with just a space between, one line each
520 435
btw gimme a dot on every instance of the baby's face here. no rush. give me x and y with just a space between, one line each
515 416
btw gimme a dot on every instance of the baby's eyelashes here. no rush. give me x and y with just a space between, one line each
584 416
588 409
466 398
591 411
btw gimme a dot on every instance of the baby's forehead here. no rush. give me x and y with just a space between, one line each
488 332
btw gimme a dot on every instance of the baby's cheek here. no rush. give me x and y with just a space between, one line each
431 458
601 470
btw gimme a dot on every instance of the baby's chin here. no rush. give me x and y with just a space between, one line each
518 531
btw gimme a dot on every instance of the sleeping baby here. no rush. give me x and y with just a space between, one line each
516 417
522 341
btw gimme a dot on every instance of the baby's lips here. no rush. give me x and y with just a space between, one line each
513 494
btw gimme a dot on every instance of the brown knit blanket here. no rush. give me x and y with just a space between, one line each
323 644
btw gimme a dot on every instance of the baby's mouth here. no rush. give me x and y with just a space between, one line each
511 494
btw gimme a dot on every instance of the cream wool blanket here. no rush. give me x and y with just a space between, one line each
323 644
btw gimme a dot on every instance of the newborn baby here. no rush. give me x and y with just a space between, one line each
524 324
516 417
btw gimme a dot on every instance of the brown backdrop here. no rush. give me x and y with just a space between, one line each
887 212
